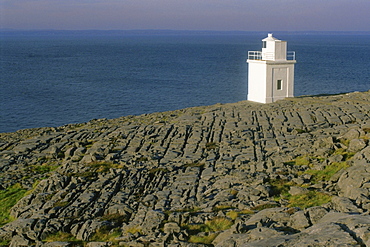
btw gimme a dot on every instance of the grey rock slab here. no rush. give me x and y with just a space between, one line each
352 181
152 221
262 233
294 190
267 216
233 240
171 227
329 234
57 244
351 134
98 244
316 213
18 227
89 228
121 209
273 241
356 145
345 205
132 244
19 241
299 220
363 155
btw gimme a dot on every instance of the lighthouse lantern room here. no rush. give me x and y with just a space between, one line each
271 71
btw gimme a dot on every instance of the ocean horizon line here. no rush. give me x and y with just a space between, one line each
174 31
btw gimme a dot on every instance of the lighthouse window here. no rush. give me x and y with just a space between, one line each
263 44
279 85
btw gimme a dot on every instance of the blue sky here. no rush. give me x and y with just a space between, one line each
228 15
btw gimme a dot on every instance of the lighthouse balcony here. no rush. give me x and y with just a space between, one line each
259 55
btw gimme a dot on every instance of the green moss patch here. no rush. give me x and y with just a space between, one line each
280 186
211 145
106 235
206 239
207 232
327 172
8 198
264 206
63 237
309 199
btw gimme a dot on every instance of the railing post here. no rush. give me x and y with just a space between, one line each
291 55
254 55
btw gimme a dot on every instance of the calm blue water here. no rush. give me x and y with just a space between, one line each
56 78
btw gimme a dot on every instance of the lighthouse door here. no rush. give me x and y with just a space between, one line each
279 83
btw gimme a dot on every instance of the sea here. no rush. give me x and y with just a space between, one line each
52 78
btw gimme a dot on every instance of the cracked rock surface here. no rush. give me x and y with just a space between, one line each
291 173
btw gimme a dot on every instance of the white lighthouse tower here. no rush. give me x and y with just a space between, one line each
271 71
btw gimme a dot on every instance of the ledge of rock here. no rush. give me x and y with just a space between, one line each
291 173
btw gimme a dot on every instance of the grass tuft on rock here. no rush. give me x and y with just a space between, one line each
327 172
106 235
309 199
206 239
218 224
264 206
134 230
44 168
5 243
207 232
221 208
280 186
8 198
211 145
63 237
234 214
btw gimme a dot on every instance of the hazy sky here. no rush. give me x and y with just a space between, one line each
243 15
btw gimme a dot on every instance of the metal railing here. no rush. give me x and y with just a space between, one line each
290 55
257 55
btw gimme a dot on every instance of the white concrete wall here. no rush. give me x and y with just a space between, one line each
269 50
262 80
280 50
279 71
256 81
275 50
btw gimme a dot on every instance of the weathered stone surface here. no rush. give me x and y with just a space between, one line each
354 182
316 213
294 190
171 227
57 244
299 220
98 244
356 145
345 205
19 241
172 178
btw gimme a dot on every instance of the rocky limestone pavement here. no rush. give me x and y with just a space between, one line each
291 173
